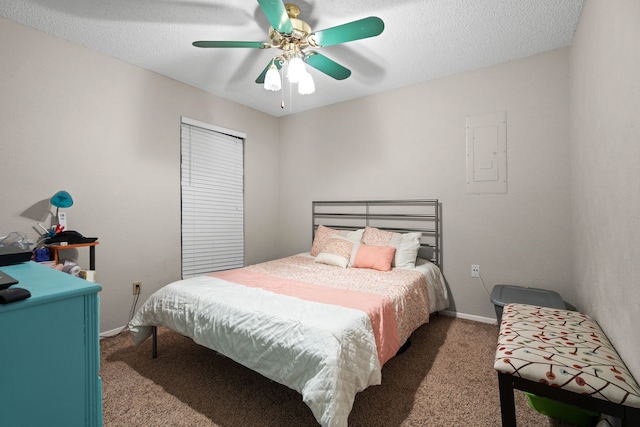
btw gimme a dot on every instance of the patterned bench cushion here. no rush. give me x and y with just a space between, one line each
565 349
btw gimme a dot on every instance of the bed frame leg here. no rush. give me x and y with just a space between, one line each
404 347
507 400
154 351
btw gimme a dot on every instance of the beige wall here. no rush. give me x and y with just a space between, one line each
410 143
605 150
109 133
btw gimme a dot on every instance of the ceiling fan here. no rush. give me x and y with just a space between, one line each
296 39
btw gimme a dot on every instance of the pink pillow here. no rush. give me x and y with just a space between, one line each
375 257
322 236
336 252
375 236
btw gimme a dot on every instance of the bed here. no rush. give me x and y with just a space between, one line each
322 322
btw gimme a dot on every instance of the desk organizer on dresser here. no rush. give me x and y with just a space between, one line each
50 351
562 355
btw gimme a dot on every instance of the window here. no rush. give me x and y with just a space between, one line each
212 184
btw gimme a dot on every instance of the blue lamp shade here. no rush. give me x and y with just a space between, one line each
61 199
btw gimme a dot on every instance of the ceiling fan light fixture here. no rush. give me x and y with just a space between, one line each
272 79
296 69
306 86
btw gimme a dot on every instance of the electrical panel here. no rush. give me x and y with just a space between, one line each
487 153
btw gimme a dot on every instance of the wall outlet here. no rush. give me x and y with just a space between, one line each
137 288
475 270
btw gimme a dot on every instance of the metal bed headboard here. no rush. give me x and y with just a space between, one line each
400 216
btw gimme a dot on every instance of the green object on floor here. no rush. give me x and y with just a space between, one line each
562 411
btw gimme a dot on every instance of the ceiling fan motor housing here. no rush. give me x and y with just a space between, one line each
301 31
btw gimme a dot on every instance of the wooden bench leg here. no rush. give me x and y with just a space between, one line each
507 400
631 417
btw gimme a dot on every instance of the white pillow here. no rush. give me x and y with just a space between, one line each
406 244
355 236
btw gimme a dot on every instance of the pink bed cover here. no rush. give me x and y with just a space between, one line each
395 301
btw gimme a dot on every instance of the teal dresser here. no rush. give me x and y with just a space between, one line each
50 351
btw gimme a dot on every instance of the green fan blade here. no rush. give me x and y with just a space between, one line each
327 66
253 45
356 30
277 15
260 79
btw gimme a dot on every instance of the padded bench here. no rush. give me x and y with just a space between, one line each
562 355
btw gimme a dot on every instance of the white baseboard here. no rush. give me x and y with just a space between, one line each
473 317
112 332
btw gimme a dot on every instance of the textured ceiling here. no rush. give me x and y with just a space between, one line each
422 40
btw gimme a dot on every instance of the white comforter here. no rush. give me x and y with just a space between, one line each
304 345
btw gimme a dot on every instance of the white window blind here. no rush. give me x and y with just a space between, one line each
212 200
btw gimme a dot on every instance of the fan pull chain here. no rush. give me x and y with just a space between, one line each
282 98
282 91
